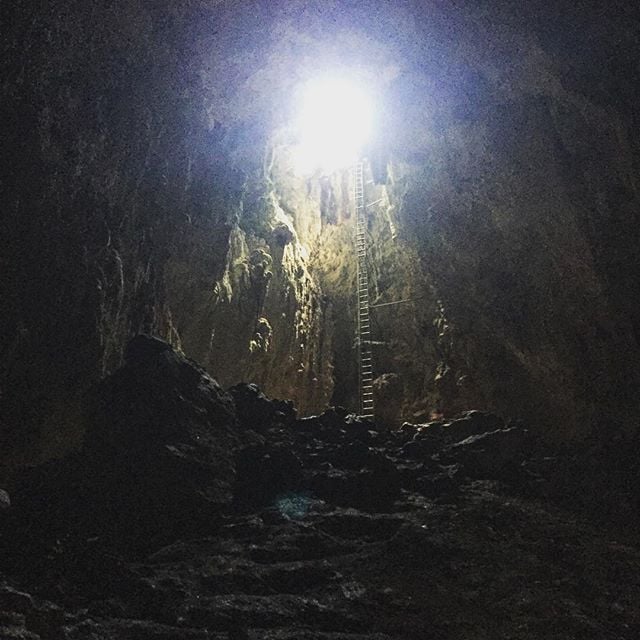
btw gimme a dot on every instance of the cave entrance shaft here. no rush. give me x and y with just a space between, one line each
363 338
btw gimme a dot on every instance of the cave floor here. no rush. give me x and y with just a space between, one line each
476 561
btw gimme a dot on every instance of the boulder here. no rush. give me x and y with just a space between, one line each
160 441
421 448
253 409
494 454
471 423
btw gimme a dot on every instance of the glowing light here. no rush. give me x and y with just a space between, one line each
335 121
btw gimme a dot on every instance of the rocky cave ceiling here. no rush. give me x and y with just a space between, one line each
147 187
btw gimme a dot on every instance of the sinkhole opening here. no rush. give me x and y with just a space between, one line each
333 124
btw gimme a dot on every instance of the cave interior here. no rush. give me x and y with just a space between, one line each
224 224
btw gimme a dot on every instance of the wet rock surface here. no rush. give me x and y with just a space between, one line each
196 513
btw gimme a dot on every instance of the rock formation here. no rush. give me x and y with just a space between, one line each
194 513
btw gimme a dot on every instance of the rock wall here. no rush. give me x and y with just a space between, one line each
144 190
131 205
510 217
521 199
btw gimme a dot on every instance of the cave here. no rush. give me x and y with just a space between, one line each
310 309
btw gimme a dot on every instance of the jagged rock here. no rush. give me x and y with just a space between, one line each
283 234
472 423
5 500
160 441
254 410
257 412
489 455
421 447
337 530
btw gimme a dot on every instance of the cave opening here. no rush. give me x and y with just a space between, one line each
333 125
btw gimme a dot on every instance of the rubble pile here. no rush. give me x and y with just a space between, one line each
194 512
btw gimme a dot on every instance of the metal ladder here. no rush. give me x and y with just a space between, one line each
365 360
